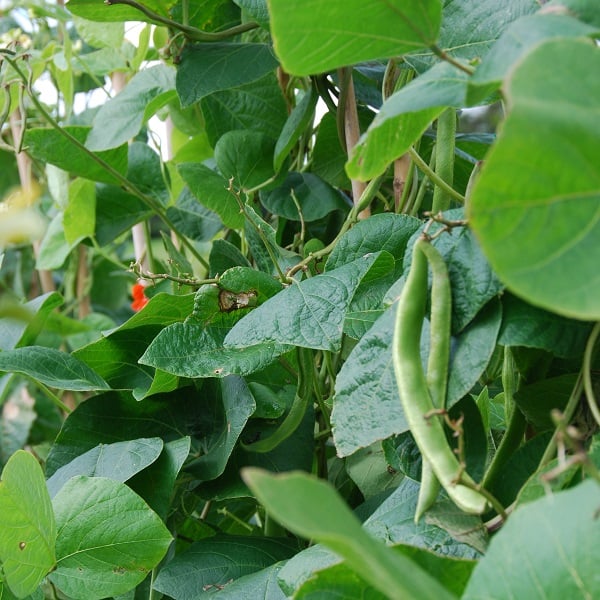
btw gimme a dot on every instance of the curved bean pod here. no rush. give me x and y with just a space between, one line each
414 392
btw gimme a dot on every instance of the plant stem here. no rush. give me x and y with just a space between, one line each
191 33
433 177
55 399
586 370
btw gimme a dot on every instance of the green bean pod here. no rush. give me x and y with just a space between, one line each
292 420
413 388
437 364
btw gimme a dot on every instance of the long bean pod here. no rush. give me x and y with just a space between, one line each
414 392
437 363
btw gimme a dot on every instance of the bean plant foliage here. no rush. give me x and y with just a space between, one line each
326 337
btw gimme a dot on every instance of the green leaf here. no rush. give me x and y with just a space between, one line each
256 106
14 332
92 10
474 283
118 461
315 36
211 189
109 538
120 119
518 39
245 157
107 418
193 219
18 416
403 118
52 367
368 468
366 405
189 350
79 219
337 581
309 314
116 212
584 10
156 482
211 563
27 523
261 585
548 547
328 156
48 145
473 350
532 327
208 68
54 249
116 355
315 198
537 400
551 267
297 123
227 410
99 35
394 523
311 508
257 9
470 27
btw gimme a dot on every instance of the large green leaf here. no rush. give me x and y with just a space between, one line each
120 118
311 508
52 367
257 9
115 356
27 525
311 36
109 418
109 538
190 350
118 461
261 585
48 145
532 327
94 11
403 118
540 230
393 522
470 27
518 39
208 68
309 314
216 561
549 547
256 106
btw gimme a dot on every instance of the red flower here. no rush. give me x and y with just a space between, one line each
139 297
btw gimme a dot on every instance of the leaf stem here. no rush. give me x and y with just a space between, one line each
433 177
191 33
450 59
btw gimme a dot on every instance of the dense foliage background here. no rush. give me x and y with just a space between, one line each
201 364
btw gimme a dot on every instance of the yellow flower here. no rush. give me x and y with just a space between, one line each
20 222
